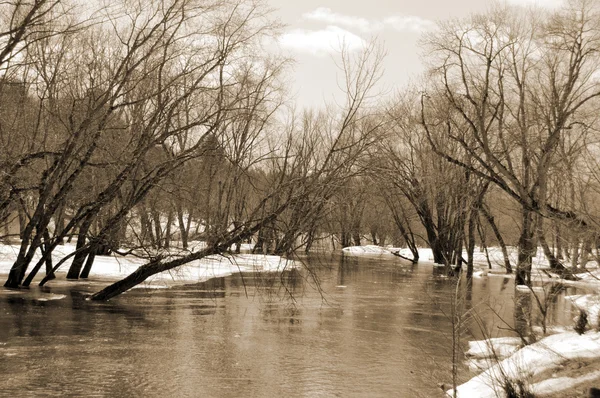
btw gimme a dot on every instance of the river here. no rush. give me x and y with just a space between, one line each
375 328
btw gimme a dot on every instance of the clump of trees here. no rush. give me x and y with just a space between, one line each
512 92
138 127
144 116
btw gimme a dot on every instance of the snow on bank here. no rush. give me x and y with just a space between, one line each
534 360
195 271
368 250
117 267
482 353
500 346
590 274
374 250
589 303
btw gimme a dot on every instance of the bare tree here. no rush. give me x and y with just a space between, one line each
299 173
133 90
508 86
445 198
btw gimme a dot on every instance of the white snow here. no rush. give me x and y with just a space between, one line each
557 384
533 360
366 250
51 296
589 303
499 346
117 267
591 274
425 254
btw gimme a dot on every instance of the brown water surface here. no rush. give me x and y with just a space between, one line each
378 329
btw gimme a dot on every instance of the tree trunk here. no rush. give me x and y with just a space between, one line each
586 251
167 241
183 231
483 239
85 273
78 260
558 240
45 259
146 227
60 223
134 279
374 237
310 238
22 222
356 237
574 251
158 232
47 253
526 249
472 224
26 253
490 219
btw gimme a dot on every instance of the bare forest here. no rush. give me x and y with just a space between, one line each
134 128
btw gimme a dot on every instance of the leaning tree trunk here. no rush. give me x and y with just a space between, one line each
490 219
89 262
403 225
45 259
77 264
24 257
156 266
483 240
554 263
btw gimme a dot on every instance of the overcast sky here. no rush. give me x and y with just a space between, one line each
314 29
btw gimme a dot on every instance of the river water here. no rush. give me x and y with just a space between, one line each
377 327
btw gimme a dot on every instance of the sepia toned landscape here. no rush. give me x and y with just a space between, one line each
224 198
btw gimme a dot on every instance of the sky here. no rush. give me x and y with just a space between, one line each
314 30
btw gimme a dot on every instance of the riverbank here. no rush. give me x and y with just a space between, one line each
563 364
115 267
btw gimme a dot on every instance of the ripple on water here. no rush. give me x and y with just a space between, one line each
366 339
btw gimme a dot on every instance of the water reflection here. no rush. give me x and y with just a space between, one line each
377 328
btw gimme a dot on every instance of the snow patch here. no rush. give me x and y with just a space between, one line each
366 250
589 303
117 267
533 360
51 296
500 347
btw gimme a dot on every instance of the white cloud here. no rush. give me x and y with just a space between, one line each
319 42
397 22
323 14
539 3
412 23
